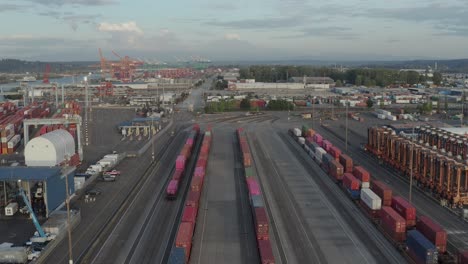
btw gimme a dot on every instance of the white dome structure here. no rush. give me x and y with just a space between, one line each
49 149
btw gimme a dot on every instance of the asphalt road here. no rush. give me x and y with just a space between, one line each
456 228
224 231
311 225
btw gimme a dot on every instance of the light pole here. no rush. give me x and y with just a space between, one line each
346 132
86 109
411 170
67 201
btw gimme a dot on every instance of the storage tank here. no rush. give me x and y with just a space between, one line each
49 149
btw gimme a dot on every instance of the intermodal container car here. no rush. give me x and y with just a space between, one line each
180 162
249 172
257 201
177 256
383 191
350 182
199 172
327 145
196 184
393 224
266 252
201 162
319 153
193 198
253 187
189 142
335 152
433 231
326 160
420 249
177 175
318 139
371 203
190 214
184 238
405 209
247 160
336 170
362 174
186 151
172 189
261 223
347 162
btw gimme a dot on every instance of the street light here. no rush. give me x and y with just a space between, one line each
411 169
346 118
67 201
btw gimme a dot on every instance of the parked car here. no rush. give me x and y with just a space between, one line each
94 192
108 177
112 172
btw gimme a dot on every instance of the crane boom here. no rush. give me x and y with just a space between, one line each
33 215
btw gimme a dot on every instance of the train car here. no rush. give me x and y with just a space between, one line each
420 249
405 209
172 189
266 252
351 185
347 162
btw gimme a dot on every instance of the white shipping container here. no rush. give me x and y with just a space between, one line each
391 118
11 209
301 140
297 132
319 152
106 163
371 199
365 185
381 116
79 181
96 167
14 141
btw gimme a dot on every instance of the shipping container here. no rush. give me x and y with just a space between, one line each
393 224
190 214
433 231
252 185
335 152
336 170
249 172
463 257
266 252
350 182
383 191
326 161
201 162
301 141
405 209
177 256
318 139
196 184
327 145
172 188
180 162
177 175
184 238
362 174
347 163
371 199
420 249
247 160
257 201
261 223
297 132
199 172
193 198
319 153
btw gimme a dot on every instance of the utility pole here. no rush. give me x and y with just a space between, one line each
346 117
411 169
86 110
56 95
313 113
70 247
462 112
63 95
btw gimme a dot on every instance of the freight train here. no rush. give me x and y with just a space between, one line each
436 161
181 163
180 254
420 239
257 204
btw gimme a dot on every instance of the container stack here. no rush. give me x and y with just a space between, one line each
183 245
257 204
384 114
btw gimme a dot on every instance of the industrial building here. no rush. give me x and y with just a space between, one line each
262 85
45 187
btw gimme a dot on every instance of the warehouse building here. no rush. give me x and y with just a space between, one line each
45 187
314 82
262 85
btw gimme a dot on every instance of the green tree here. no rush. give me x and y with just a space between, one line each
359 80
412 78
245 104
338 83
369 103
382 103
437 78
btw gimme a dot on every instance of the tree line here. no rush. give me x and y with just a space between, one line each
364 76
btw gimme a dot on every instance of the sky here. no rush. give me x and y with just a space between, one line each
65 30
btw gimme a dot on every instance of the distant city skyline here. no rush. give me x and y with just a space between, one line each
64 30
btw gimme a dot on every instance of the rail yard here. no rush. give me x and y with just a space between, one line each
172 183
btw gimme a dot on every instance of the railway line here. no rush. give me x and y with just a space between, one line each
425 204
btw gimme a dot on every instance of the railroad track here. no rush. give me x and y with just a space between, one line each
430 207
345 206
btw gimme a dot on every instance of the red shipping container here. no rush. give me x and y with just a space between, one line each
261 223
193 197
336 170
383 191
433 232
205 149
201 162
327 145
335 152
180 163
405 209
347 163
252 185
172 188
199 172
190 214
350 182
177 175
463 257
374 214
393 224
184 238
362 174
196 184
247 160
266 252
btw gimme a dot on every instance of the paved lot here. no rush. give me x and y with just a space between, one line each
224 232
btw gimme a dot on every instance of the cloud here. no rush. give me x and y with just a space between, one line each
11 7
72 19
265 23
74 2
126 27
232 36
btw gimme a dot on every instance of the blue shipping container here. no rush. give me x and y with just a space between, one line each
257 201
177 256
355 194
420 248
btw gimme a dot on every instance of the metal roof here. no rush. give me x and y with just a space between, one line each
28 173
